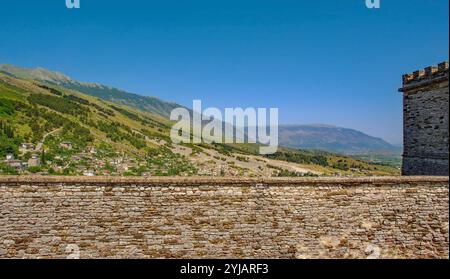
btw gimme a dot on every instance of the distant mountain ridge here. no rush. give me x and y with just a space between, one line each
333 139
318 137
145 103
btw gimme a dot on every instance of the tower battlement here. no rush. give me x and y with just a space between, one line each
427 75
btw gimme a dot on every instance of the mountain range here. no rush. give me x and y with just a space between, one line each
108 93
317 137
334 139
47 128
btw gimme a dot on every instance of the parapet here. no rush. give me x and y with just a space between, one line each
425 76
205 181
223 217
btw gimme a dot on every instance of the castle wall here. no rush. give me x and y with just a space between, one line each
59 217
426 134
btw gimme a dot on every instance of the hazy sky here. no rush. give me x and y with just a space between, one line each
323 61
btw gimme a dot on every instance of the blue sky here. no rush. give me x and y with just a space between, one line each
323 61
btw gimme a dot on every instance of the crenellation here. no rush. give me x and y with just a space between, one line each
443 66
431 73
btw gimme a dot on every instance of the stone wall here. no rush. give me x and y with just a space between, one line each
426 105
59 217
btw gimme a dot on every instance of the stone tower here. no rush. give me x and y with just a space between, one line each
425 121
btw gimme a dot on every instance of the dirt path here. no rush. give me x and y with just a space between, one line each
41 143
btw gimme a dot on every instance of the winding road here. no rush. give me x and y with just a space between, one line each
41 143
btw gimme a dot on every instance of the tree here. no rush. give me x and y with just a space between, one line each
43 156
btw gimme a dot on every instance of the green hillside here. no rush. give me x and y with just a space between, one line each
34 113
144 103
53 130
